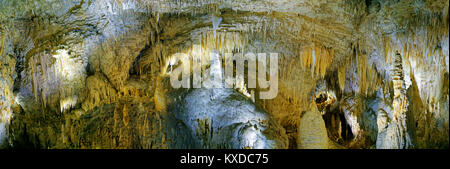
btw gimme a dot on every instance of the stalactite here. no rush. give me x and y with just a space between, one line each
387 48
306 56
125 117
362 60
393 133
34 78
341 76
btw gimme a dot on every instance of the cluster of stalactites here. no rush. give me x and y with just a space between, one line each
224 42
174 7
318 58
100 92
367 75
422 54
418 30
55 75
428 51
368 78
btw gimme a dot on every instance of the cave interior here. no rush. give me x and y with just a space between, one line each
349 74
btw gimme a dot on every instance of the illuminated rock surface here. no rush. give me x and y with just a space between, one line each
229 120
312 132
93 74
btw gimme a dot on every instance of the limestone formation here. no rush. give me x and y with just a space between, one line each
312 131
393 133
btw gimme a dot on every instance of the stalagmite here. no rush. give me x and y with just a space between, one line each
393 133
317 58
362 72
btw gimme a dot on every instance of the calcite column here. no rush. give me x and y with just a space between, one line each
392 131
